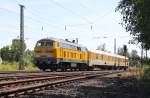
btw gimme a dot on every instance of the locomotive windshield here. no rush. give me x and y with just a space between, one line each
44 44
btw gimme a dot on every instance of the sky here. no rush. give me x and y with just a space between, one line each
93 22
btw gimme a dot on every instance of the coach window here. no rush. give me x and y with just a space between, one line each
96 56
102 57
109 58
113 58
105 57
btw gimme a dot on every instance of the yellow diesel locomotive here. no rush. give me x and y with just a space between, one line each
53 54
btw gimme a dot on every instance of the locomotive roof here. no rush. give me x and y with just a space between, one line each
63 41
106 53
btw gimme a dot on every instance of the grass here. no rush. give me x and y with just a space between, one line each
8 67
30 67
13 66
143 72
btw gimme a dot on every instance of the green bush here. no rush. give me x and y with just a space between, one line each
143 72
30 66
146 73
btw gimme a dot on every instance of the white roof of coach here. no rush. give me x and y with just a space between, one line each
106 53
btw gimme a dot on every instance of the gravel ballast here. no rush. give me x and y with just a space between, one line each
99 87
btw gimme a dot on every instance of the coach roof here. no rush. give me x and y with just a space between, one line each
106 53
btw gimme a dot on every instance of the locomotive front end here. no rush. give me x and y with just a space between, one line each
44 53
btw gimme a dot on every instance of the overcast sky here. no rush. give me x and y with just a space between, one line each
88 20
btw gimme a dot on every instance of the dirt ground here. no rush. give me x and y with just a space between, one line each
112 86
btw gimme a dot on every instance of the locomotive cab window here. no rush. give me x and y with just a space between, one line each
40 44
49 44
44 44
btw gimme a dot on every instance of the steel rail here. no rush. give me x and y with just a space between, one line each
5 83
48 84
28 80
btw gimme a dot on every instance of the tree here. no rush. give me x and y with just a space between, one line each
11 53
134 58
123 52
15 48
0 60
102 47
29 56
6 53
120 51
136 19
134 54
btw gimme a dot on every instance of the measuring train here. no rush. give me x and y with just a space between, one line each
53 54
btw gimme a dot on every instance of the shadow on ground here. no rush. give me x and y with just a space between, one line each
105 87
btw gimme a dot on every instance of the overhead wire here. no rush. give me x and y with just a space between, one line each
102 16
71 11
96 20
39 19
91 24
83 6
8 10
58 4
42 18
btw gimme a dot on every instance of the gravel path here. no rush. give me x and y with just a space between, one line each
116 86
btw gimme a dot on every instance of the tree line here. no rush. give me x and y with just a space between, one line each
134 58
136 20
12 53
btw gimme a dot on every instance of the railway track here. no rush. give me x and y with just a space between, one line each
12 75
17 87
20 76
